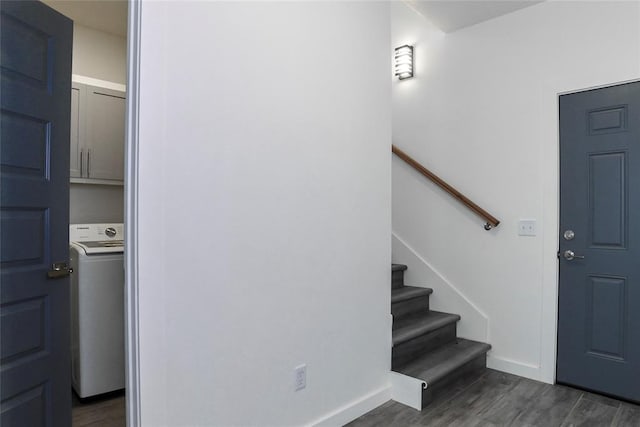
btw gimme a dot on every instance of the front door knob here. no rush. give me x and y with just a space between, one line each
569 255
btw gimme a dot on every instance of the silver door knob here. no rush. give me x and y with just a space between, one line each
569 255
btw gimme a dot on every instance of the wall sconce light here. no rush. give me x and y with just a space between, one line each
404 62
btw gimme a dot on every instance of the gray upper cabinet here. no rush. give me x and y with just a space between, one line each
97 134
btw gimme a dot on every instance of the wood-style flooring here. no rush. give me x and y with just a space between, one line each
104 411
499 399
493 399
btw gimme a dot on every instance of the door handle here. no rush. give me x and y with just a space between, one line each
89 163
81 156
58 270
569 255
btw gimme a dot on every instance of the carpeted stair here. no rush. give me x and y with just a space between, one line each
425 344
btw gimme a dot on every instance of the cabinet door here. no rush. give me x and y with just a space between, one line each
75 153
105 117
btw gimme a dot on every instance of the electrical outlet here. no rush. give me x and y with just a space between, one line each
527 227
300 377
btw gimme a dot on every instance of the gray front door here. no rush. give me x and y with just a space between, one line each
35 74
599 295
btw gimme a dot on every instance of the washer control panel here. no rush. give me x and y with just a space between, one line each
95 232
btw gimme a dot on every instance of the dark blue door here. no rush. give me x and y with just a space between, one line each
599 294
34 207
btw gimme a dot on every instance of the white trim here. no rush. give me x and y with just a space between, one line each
514 367
95 181
600 86
551 220
132 339
407 390
355 409
77 78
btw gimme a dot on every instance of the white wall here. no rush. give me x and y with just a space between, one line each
264 211
99 55
482 113
102 56
92 203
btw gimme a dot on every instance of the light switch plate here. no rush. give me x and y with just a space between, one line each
527 227
300 373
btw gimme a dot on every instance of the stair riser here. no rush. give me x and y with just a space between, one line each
407 351
458 379
397 279
410 306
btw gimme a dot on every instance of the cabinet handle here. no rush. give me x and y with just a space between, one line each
81 156
89 163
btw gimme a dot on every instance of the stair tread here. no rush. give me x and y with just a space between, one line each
408 292
398 267
411 326
435 365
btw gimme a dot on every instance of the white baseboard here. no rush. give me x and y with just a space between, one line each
355 409
509 366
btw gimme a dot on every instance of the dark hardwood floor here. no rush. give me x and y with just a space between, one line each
493 399
499 399
104 411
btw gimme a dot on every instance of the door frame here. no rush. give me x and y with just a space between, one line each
132 336
551 217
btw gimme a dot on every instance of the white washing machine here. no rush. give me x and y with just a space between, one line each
97 308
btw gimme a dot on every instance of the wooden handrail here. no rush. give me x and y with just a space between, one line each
492 221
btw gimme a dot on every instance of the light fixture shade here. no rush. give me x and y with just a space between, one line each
404 62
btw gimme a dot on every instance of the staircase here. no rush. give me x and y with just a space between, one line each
425 345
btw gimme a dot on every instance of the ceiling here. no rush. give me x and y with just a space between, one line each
451 15
448 15
109 16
